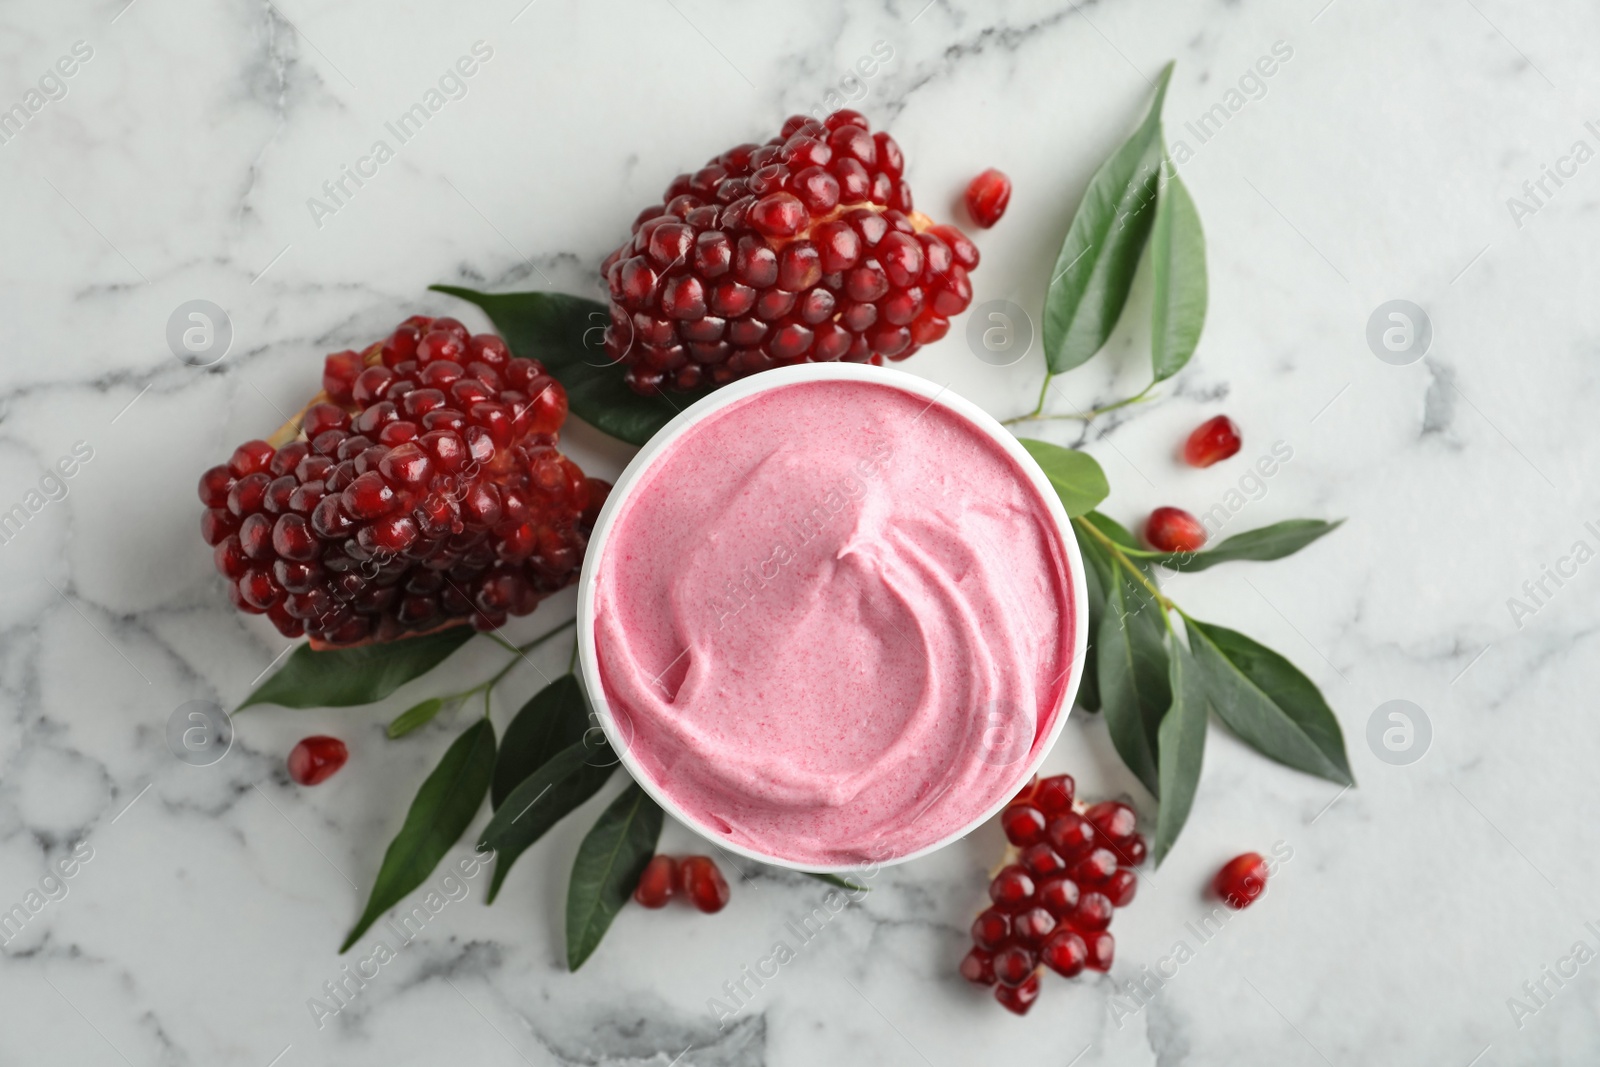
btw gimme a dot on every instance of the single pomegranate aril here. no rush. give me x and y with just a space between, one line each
977 967
1013 964
1033 926
991 929
1012 888
1018 999
1059 894
1212 442
702 883
316 759
1121 887
1132 851
1053 796
1114 819
1093 912
1241 880
1174 530
1102 947
1042 860
987 197
1097 867
1065 953
425 490
657 883
1071 835
784 244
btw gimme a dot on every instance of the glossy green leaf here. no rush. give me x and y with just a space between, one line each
1133 674
414 718
343 677
1097 572
1094 272
565 334
439 815
1182 747
554 718
1178 256
1075 476
1269 704
609 863
546 796
1269 542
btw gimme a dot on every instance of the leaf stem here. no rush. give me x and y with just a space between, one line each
1121 557
520 650
1037 408
1086 416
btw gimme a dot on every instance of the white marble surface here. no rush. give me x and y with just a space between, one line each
1377 165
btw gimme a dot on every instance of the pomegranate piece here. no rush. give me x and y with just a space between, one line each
1053 796
1012 888
426 490
977 967
658 882
1241 880
987 197
1212 442
1174 530
701 881
1014 964
991 929
1065 953
316 759
1113 819
803 249
1102 948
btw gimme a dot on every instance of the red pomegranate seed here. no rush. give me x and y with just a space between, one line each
991 929
1121 887
1071 835
1092 913
1212 442
1132 851
977 967
1042 860
1033 926
1013 964
1053 796
1012 888
1241 880
657 883
1097 867
1102 947
987 197
1174 530
1064 952
1060 894
1018 999
702 883
316 759
1114 819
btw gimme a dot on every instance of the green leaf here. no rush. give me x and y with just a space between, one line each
1112 529
554 718
1097 572
1178 254
1182 748
835 880
1269 542
1268 703
545 797
343 677
1095 269
609 863
564 333
1133 671
414 718
440 814
1076 477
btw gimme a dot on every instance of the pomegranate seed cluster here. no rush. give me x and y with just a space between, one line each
425 490
1067 868
804 249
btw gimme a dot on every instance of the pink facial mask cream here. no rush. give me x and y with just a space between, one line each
834 620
